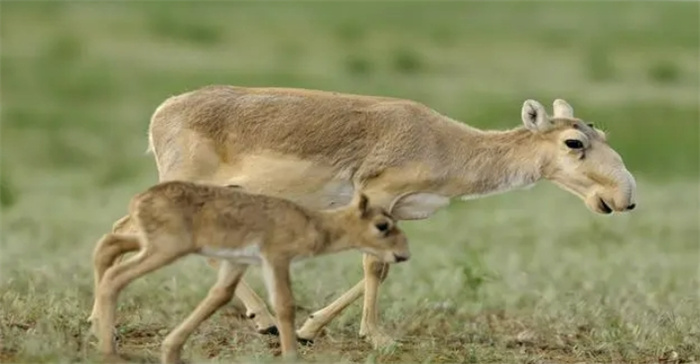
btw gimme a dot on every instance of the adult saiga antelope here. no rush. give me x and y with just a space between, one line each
316 148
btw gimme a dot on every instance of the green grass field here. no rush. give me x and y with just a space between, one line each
529 276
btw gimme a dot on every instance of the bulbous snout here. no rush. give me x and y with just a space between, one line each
619 196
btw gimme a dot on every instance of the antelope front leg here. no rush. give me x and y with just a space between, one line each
375 273
319 319
256 309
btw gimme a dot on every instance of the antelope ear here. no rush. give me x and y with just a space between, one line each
563 109
362 203
534 116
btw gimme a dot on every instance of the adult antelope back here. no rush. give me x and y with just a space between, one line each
316 148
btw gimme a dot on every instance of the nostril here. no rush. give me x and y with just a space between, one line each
632 206
400 258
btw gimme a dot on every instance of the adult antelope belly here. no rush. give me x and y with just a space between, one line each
310 183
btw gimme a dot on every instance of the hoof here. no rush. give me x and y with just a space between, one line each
272 330
305 342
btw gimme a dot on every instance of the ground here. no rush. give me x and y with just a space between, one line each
528 276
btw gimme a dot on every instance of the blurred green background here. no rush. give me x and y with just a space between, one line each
79 81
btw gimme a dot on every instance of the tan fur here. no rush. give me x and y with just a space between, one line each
177 218
317 148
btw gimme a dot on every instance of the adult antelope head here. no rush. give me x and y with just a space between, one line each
578 158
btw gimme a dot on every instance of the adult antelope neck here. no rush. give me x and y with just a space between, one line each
487 162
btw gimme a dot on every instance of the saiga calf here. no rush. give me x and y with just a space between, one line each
174 219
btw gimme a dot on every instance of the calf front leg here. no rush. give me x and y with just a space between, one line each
279 286
221 293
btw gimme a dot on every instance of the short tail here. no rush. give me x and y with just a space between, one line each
124 225
149 148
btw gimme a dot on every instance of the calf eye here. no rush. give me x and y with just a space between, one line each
382 226
573 143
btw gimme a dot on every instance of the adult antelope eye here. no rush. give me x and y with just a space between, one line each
383 226
573 143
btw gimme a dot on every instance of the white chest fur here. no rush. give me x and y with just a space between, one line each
249 254
418 206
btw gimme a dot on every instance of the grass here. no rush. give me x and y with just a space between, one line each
530 276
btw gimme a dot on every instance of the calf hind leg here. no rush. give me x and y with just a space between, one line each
107 251
119 276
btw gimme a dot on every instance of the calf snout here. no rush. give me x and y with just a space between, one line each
400 258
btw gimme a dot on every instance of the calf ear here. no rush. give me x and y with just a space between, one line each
534 116
362 204
563 109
